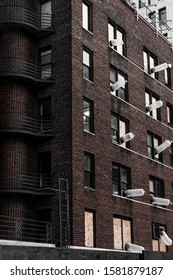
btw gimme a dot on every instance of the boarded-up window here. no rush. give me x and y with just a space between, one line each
162 246
89 229
126 232
122 232
159 245
157 242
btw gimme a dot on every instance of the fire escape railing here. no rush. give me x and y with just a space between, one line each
25 16
21 122
18 66
19 229
25 182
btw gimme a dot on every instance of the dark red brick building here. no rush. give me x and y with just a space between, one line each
84 112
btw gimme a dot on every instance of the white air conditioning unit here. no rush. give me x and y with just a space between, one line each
127 137
160 201
154 106
165 238
134 192
120 83
160 67
162 147
134 248
116 42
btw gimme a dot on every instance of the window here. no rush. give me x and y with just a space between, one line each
88 115
151 98
162 14
120 179
149 62
115 32
122 232
168 77
153 141
171 154
44 168
169 113
46 63
46 14
116 75
157 242
119 127
156 187
87 64
44 114
87 15
152 17
89 170
89 228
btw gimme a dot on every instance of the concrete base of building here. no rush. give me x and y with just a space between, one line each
37 252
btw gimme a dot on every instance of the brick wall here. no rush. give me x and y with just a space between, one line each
138 35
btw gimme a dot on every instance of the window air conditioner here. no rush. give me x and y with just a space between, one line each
134 192
116 42
120 83
154 106
165 238
160 201
163 146
127 137
160 67
134 248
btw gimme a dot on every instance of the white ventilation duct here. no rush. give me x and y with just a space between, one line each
165 238
116 42
127 137
134 248
134 192
160 67
120 83
154 106
163 146
160 201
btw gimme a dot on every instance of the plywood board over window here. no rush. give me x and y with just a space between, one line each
126 232
117 233
89 229
122 232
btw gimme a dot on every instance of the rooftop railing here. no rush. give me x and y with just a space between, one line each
19 229
150 13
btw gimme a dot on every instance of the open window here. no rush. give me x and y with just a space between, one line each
44 169
44 114
45 14
157 242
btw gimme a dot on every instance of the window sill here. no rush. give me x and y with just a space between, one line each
87 31
116 51
89 133
89 188
85 79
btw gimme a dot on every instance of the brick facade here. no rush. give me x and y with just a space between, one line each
21 93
